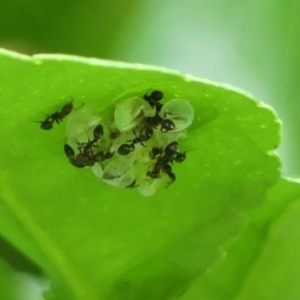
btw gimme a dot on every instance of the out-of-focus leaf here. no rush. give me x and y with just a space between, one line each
16 259
263 263
77 27
7 282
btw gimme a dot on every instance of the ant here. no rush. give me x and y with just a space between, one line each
79 160
87 147
156 151
82 160
168 170
164 168
58 116
86 157
153 99
172 154
102 155
163 162
126 148
166 125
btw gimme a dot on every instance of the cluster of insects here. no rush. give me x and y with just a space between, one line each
135 147
86 156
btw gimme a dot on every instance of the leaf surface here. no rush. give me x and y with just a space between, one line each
100 242
263 262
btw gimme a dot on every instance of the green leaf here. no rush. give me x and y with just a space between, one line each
100 242
16 258
275 274
7 282
264 261
94 24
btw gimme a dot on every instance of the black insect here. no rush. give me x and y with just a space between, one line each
167 169
69 151
125 149
82 160
164 160
155 151
163 168
179 157
165 124
154 98
79 160
129 146
57 117
167 157
102 156
171 153
153 122
47 124
86 156
87 148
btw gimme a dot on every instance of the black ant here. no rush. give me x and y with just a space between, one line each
172 154
126 148
87 147
153 99
102 155
168 156
57 117
79 160
179 157
164 168
82 160
166 125
86 157
156 151
163 162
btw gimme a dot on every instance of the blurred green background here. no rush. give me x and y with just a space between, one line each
251 44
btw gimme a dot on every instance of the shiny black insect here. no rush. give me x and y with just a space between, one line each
82 160
167 157
163 161
154 98
57 117
168 170
47 124
163 168
86 155
179 157
125 149
102 155
87 148
165 124
171 153
155 151
129 146
79 160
